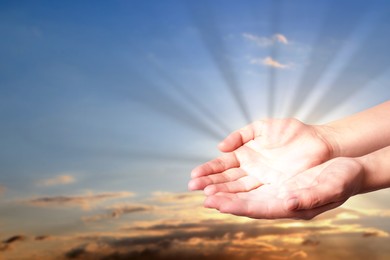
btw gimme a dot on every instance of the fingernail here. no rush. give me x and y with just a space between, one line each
292 204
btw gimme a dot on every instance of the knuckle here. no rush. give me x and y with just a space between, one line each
313 201
219 163
340 191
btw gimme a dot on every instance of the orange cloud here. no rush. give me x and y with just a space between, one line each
118 210
2 189
182 232
42 237
268 61
280 38
310 242
7 244
177 198
266 41
83 201
58 180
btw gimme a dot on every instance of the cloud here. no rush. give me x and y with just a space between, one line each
58 180
299 255
83 201
75 253
375 233
14 239
7 244
42 237
117 211
178 246
220 239
310 242
204 234
231 238
177 198
266 41
2 189
280 38
268 61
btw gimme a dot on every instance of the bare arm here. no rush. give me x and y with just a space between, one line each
359 134
376 167
352 136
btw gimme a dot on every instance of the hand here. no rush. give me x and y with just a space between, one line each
304 196
265 152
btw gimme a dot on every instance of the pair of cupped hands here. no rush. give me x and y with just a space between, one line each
277 168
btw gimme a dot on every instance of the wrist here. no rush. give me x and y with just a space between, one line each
329 136
376 170
367 184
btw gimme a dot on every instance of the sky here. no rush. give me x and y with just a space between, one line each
105 108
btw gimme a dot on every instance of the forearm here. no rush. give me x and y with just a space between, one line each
359 134
376 170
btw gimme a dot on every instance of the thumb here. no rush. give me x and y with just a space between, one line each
313 197
241 136
231 142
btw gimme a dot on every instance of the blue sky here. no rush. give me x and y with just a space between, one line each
106 106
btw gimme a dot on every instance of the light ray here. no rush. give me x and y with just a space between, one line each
274 53
153 97
369 61
204 20
326 47
191 99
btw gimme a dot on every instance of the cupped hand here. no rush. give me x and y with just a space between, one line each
264 152
303 196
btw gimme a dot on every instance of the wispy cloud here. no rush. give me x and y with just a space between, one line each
42 237
118 210
2 189
310 242
58 180
76 252
280 38
375 233
226 239
270 62
266 41
178 229
83 201
177 198
7 244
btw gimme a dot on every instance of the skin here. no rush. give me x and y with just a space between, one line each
310 192
359 134
283 168
303 196
267 151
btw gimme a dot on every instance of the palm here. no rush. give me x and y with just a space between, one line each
266 152
318 189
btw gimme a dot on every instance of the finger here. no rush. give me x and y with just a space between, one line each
261 208
246 183
217 200
226 176
310 214
319 195
241 136
236 204
218 165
